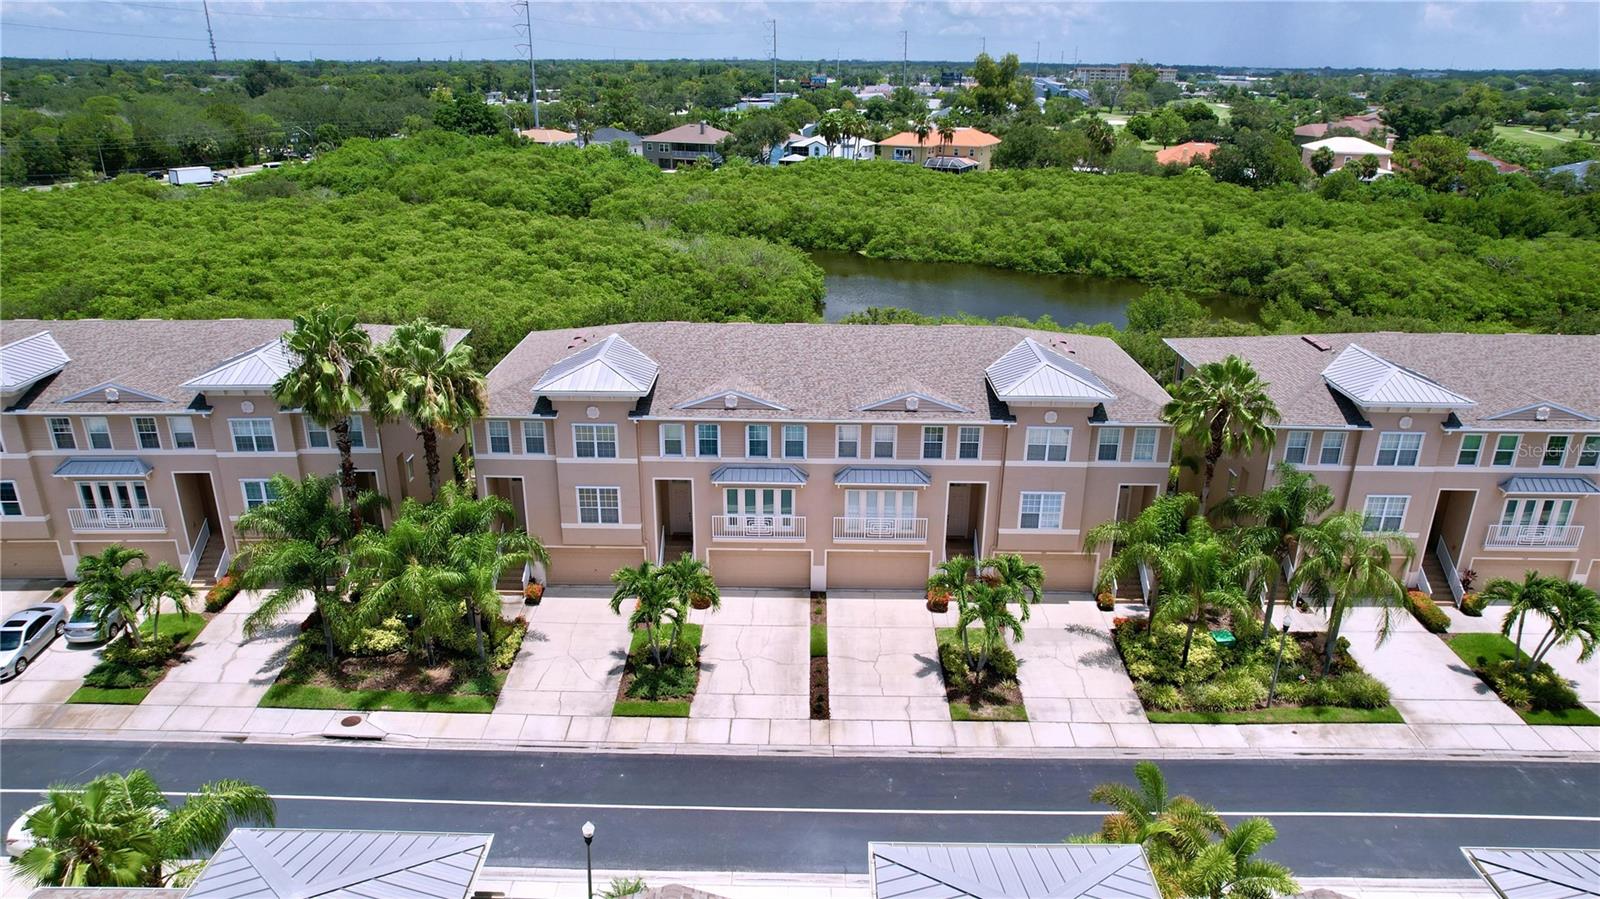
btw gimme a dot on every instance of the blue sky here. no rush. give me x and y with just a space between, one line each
1374 34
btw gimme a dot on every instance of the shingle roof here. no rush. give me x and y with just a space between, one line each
1502 372
27 359
612 366
286 863
1538 873
1373 381
1185 152
692 133
1010 871
830 372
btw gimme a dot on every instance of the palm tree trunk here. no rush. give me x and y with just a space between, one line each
1521 620
347 472
1188 638
650 638
477 633
1545 644
1335 619
155 618
327 636
1272 596
430 452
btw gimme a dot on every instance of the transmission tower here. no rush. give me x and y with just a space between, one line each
533 73
774 24
206 6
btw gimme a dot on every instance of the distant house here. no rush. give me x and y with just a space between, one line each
1363 125
968 144
1578 170
550 137
1347 150
685 144
1500 165
605 136
799 149
1185 153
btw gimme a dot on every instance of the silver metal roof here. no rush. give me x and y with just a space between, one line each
1370 380
104 467
288 863
1538 873
26 360
612 366
1031 371
1010 871
1565 485
758 474
881 476
257 368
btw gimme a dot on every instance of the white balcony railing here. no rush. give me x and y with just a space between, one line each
880 529
116 519
1532 536
758 527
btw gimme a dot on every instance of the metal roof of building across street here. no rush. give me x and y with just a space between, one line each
290 863
758 474
881 476
1564 485
1538 873
104 467
1010 871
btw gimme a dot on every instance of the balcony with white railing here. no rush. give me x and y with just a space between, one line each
116 520
881 529
1533 536
758 527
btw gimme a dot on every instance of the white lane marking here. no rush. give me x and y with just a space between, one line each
810 810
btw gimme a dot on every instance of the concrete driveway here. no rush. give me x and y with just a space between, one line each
754 664
52 675
567 675
883 662
1071 672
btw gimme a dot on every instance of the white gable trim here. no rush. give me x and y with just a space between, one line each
126 394
1553 407
719 400
897 403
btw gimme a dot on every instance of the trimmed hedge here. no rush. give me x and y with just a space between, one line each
1423 608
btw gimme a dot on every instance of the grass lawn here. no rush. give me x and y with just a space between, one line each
307 696
1282 715
679 683
998 698
182 630
1494 648
819 641
960 711
644 708
1534 136
1223 111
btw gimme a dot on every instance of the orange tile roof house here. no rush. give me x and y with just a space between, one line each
956 143
1185 153
550 137
1363 125
694 142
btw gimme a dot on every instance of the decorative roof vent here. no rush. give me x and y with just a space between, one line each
912 403
1542 413
113 394
730 401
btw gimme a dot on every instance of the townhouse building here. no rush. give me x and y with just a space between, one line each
157 435
819 456
1484 449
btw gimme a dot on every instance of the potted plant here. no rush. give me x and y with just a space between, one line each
532 592
1105 601
938 599
701 601
1466 576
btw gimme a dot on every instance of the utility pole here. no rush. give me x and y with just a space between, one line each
533 73
1036 59
905 41
983 45
204 5
774 24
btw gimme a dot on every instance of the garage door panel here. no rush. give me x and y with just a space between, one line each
1065 571
29 559
878 570
760 568
587 567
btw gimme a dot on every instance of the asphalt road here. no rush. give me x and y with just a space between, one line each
1335 818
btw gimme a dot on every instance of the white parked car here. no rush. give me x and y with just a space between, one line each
26 634
19 839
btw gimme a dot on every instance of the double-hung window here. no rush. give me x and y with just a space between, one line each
61 434
794 441
1297 447
672 440
757 441
1384 513
1144 444
933 442
866 508
847 442
883 441
594 441
1041 511
145 431
1332 448
1471 449
182 429
534 437
257 492
1397 448
708 440
1589 454
1505 449
759 511
599 505
969 442
1048 444
1555 450
10 501
252 435
1108 445
319 437
99 431
499 436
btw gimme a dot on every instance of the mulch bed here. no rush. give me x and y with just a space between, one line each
396 671
991 700
819 664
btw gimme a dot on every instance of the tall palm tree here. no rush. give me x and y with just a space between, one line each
433 387
108 589
1141 542
335 373
831 128
118 830
299 549
1574 615
922 126
1229 868
990 607
1281 513
1344 563
1534 594
1223 408
164 583
956 577
1204 574
688 578
654 603
1172 829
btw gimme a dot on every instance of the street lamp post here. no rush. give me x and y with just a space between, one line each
1273 689
588 855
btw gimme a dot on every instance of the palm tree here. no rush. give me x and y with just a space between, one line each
989 606
164 583
107 589
433 387
1574 615
301 537
1224 409
955 577
922 126
1532 595
1141 542
118 830
334 375
1205 574
654 602
1344 563
687 579
1172 829
1280 514
831 128
1024 579
1229 868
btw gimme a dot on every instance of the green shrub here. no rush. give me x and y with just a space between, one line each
389 636
1472 605
1542 690
1163 697
1156 656
221 593
113 675
510 642
150 651
1356 690
1426 612
1234 690
1002 664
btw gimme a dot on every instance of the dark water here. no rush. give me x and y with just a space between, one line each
855 283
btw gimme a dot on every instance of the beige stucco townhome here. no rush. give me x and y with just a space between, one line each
157 435
1484 449
819 456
